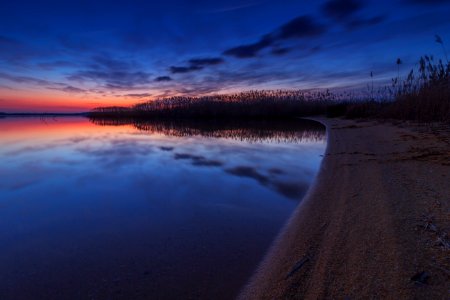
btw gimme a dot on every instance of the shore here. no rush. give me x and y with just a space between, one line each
375 223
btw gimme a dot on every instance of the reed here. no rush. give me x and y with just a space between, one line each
279 104
423 96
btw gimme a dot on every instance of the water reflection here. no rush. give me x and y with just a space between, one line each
295 130
163 210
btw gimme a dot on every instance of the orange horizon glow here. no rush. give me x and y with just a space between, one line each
20 101
41 102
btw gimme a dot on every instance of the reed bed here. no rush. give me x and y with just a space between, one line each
250 105
423 96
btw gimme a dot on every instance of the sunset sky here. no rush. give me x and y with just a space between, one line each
75 55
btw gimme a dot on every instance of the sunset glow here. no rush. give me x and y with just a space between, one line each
69 57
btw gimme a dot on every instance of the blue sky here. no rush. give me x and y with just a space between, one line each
82 54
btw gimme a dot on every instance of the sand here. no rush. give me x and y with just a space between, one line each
373 226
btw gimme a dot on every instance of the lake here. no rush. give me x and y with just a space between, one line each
124 209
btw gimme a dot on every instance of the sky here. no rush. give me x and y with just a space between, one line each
69 56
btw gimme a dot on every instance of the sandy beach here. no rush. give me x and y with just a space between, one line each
374 225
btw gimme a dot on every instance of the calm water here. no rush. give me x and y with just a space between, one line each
145 211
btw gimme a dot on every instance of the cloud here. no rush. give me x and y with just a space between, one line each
342 9
249 172
143 95
177 70
197 160
112 73
114 79
249 50
300 27
56 64
427 2
166 148
118 153
68 89
292 190
232 8
179 156
206 61
15 52
163 78
304 26
346 12
358 23
23 79
280 51
196 64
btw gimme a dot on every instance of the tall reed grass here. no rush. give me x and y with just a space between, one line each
423 96
251 105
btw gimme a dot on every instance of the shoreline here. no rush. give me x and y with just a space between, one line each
373 225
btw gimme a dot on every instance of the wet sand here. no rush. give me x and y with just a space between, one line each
374 225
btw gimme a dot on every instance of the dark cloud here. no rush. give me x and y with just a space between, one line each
196 64
114 79
68 89
347 13
294 190
231 8
280 51
358 23
276 171
143 95
112 73
249 50
56 65
163 78
207 163
249 172
197 160
427 2
176 70
291 190
107 62
165 148
206 61
342 9
24 79
179 156
301 27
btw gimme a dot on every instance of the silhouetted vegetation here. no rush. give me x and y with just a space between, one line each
422 96
250 105
293 130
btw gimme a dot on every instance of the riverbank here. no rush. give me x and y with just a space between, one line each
375 223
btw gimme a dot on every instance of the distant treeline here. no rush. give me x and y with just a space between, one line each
2 114
422 96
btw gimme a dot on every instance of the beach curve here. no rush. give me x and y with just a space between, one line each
373 225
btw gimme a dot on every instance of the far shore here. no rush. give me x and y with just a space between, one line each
375 223
25 114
